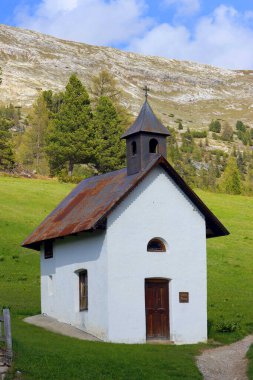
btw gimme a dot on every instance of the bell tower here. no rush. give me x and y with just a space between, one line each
145 139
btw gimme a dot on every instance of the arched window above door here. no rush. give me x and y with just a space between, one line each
156 245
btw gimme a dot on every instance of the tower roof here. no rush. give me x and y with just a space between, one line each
147 122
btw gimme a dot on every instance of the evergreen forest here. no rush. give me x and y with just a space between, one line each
76 133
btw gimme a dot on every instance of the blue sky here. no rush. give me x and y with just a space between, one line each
211 31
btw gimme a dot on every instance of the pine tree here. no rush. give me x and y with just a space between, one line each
187 142
110 150
241 163
240 126
227 133
173 152
249 181
31 151
6 149
70 135
104 84
230 181
53 101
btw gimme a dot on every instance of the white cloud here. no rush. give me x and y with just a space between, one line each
222 39
184 7
163 40
92 21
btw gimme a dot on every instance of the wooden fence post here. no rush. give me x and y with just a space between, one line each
7 333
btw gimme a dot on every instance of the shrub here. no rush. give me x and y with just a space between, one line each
209 327
1 258
226 326
245 137
215 136
70 179
219 152
80 172
215 126
240 126
199 134
180 126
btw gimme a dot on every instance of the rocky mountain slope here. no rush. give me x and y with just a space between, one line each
193 92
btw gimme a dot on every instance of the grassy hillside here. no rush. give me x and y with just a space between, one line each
190 91
44 355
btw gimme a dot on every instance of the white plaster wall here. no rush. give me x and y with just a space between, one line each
156 208
61 299
118 263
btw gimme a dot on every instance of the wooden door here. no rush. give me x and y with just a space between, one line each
157 308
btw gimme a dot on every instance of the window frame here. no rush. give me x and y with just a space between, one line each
48 249
156 240
83 289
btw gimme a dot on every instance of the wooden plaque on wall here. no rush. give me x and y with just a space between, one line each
183 297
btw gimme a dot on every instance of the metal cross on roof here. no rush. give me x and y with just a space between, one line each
146 89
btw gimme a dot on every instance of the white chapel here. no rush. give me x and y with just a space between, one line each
123 256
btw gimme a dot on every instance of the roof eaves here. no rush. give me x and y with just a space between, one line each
211 220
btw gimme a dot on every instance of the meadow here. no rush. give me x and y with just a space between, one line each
40 354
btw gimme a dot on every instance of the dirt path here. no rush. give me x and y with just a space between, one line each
226 362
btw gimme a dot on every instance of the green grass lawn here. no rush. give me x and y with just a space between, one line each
250 366
44 355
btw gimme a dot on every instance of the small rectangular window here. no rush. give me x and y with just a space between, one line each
48 249
83 290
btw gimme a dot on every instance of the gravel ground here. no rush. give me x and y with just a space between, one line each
226 362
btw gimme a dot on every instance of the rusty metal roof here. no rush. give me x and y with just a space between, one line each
146 121
88 205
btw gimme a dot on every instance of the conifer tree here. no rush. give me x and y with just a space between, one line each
110 150
240 126
31 151
69 137
230 181
104 84
227 133
187 142
53 101
6 149
241 163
